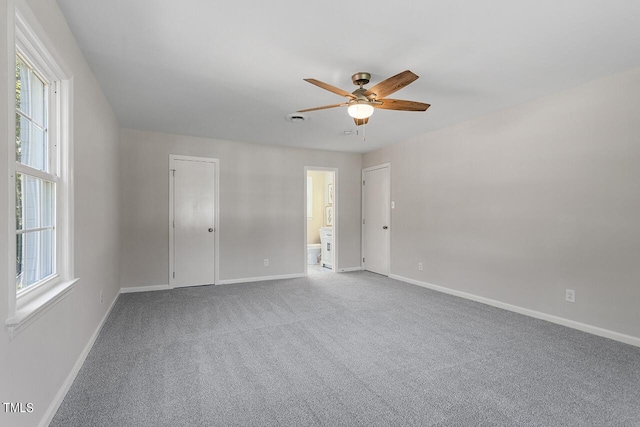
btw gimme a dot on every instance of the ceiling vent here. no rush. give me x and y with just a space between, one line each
297 117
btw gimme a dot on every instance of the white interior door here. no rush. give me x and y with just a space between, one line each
376 219
193 222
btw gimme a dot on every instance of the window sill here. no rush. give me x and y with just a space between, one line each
26 314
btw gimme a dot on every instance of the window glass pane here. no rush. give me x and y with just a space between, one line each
22 139
31 147
37 100
22 87
31 118
35 250
31 201
37 257
31 242
35 202
46 253
47 218
37 150
19 198
19 263
18 82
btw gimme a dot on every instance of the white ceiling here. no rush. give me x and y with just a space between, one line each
234 69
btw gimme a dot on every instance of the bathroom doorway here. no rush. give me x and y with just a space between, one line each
321 218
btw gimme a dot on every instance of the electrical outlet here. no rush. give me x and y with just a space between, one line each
570 295
419 266
101 298
266 262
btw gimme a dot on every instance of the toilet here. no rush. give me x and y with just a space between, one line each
313 253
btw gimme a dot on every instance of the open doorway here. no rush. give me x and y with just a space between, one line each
321 218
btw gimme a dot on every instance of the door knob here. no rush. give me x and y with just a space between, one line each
211 230
384 227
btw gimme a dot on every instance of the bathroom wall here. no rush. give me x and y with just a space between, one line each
321 180
316 220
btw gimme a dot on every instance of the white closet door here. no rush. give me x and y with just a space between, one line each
194 223
376 220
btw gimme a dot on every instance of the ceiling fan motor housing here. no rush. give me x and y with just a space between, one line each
361 78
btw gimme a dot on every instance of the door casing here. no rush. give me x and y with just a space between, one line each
335 214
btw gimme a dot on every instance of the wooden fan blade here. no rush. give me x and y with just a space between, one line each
360 122
330 88
322 108
399 104
391 85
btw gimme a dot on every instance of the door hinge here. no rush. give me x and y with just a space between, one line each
173 172
174 224
362 221
174 274
363 182
362 259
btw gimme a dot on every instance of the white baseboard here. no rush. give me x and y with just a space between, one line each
66 385
348 269
595 330
144 289
260 279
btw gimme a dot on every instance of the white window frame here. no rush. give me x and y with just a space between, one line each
35 47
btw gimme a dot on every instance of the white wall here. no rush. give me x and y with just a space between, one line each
36 362
519 205
261 206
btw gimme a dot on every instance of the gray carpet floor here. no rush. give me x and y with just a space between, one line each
351 349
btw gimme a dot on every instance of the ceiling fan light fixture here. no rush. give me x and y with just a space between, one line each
360 110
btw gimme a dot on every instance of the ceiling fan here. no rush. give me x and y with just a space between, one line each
362 102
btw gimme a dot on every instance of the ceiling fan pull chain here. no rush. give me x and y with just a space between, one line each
364 131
